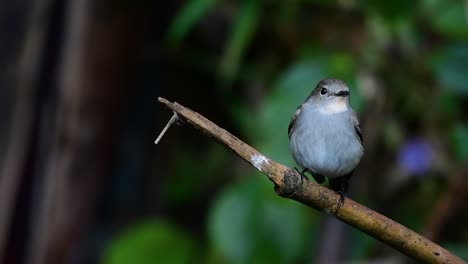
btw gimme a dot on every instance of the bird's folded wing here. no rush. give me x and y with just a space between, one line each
293 121
356 125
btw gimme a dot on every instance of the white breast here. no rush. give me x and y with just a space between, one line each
334 107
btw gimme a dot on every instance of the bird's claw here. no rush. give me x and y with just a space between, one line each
302 173
340 202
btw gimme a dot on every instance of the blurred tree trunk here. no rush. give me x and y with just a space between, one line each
18 166
97 56
332 241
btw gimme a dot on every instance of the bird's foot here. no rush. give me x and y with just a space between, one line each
341 201
302 173
302 178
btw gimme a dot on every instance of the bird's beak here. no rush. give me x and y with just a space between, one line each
342 93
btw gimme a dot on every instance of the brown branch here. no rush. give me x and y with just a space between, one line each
288 184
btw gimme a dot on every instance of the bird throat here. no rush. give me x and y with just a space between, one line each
335 107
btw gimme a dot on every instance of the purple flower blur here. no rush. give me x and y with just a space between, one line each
415 157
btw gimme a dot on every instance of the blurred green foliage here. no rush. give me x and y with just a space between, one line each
447 17
239 38
451 68
417 51
196 175
460 141
459 250
249 225
187 18
151 242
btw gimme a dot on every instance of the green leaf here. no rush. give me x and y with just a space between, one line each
187 17
241 34
248 224
150 242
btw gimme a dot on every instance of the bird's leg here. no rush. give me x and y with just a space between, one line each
302 173
318 178
340 186
341 192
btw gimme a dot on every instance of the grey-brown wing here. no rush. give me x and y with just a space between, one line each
356 125
293 121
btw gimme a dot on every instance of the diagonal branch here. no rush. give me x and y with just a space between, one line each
288 184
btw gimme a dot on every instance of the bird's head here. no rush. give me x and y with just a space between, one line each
331 96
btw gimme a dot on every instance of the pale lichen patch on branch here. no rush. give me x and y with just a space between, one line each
258 161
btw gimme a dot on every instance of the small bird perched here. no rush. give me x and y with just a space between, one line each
325 137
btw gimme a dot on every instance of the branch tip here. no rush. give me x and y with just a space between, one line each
174 118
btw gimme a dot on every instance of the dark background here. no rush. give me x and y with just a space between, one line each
82 182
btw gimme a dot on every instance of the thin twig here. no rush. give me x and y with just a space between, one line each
171 121
288 184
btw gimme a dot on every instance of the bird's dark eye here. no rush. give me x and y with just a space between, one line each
323 91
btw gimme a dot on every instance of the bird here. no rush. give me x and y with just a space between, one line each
325 137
